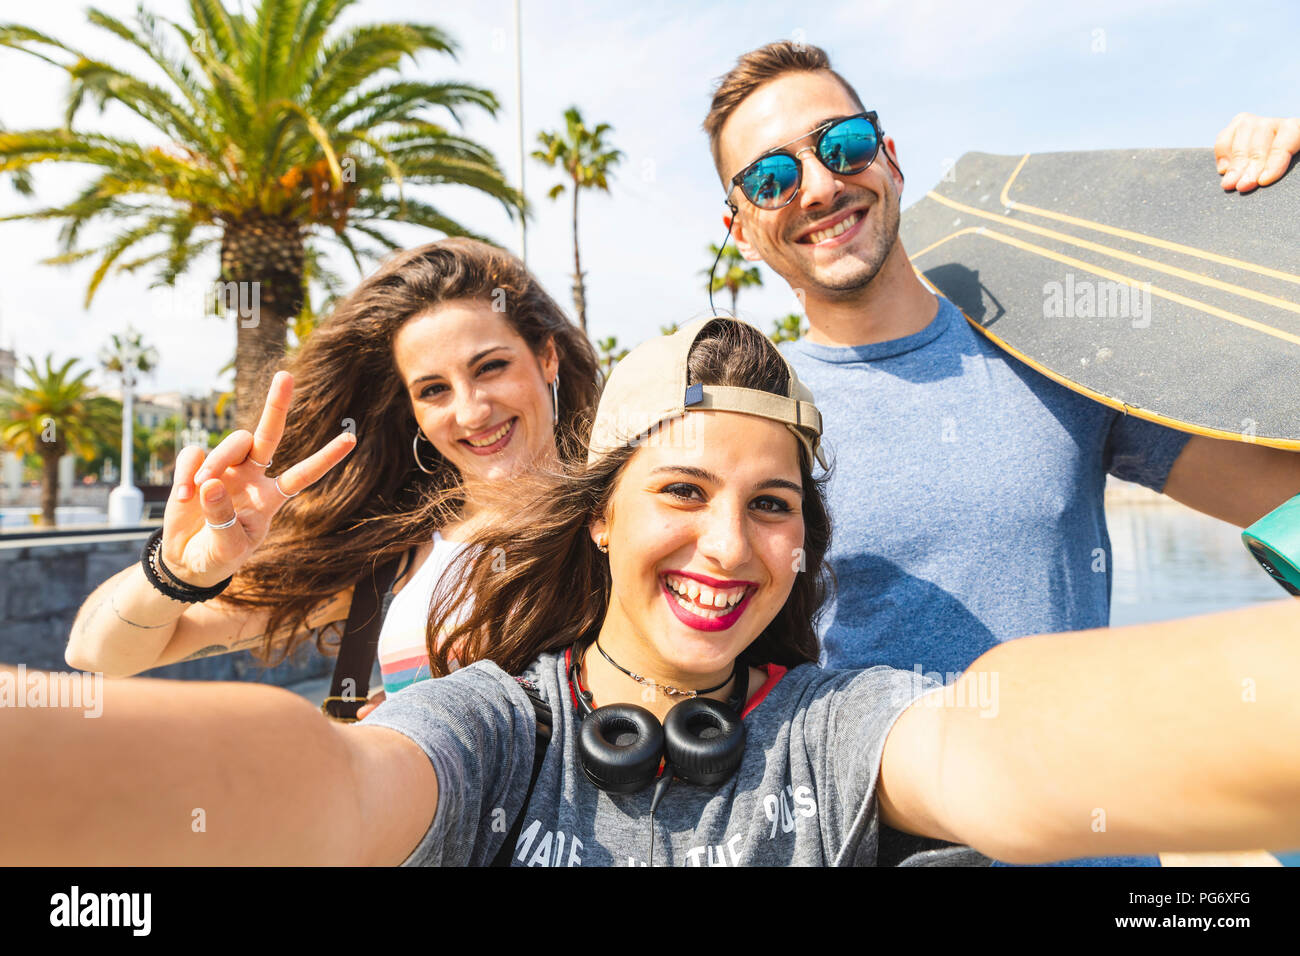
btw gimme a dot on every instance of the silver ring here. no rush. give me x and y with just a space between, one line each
219 527
281 490
257 463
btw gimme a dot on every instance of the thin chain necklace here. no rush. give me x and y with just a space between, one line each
670 691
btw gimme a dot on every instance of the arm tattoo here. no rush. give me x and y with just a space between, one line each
209 651
214 649
133 623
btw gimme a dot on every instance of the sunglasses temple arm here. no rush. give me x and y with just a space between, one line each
890 159
714 268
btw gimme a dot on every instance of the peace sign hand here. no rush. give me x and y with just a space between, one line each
222 502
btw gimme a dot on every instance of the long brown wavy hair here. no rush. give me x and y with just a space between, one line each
536 581
376 503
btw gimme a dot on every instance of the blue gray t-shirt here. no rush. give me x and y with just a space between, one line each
966 496
804 794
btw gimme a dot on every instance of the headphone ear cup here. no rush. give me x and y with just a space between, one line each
704 741
620 747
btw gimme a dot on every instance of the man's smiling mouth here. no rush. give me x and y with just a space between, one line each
836 228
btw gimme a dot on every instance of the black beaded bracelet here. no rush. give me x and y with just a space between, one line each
173 587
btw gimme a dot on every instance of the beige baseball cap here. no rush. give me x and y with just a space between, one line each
648 387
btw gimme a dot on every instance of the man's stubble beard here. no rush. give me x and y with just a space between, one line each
886 237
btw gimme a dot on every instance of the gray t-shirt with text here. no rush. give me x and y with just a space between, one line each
804 793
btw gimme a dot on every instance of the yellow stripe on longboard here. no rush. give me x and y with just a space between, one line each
1212 283
1010 203
1127 280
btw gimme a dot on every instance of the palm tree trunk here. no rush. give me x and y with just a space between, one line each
262 287
734 291
49 485
579 291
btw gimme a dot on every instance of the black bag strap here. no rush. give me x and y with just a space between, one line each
544 722
360 642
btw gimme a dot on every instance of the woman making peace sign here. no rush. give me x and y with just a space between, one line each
446 371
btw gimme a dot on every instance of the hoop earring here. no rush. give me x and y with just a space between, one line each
555 398
415 449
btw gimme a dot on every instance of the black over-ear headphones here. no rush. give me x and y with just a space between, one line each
620 745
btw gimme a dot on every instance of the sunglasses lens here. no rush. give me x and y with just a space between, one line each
771 181
850 146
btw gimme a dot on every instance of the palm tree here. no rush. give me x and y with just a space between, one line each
610 354
788 328
276 129
52 416
587 159
20 179
331 287
735 274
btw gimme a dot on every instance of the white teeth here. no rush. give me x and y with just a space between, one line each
699 611
838 229
702 599
496 437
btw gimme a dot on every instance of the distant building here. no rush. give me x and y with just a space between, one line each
204 408
151 410
8 366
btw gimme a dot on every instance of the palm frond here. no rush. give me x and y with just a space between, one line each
363 51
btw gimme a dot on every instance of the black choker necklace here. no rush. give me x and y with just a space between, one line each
670 691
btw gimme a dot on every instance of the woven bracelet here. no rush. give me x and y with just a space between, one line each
173 587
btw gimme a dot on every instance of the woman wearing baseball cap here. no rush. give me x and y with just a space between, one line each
656 612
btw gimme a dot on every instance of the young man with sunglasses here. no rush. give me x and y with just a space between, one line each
967 494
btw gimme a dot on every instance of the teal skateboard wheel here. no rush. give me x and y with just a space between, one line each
1274 541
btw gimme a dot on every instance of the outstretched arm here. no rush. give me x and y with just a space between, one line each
1183 735
1234 481
214 774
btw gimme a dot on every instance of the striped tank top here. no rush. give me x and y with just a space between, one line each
403 658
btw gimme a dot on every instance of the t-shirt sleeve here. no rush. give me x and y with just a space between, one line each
859 714
477 728
1141 451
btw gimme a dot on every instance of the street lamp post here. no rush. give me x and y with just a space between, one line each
127 358
519 105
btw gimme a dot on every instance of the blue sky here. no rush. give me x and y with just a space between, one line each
946 78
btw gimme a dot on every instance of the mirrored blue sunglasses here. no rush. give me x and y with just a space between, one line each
844 146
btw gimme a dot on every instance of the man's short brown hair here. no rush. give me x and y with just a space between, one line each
753 70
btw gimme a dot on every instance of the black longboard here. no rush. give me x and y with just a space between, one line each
1129 276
